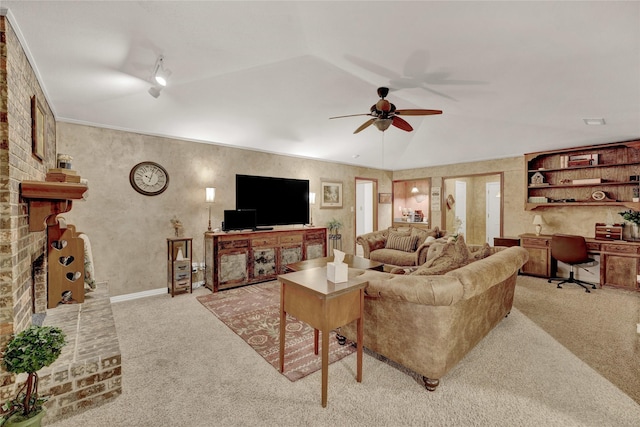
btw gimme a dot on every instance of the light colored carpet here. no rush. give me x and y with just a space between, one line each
184 367
598 327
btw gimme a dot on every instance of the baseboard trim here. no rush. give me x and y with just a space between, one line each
149 293
136 295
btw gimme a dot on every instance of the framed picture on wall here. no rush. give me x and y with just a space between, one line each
331 194
384 198
38 124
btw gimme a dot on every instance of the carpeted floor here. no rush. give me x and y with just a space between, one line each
598 327
253 312
184 367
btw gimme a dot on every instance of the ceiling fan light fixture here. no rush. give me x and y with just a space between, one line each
382 124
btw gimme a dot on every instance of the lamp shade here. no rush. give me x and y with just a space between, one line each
210 195
312 198
538 220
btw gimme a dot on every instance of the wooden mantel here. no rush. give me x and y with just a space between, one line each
48 199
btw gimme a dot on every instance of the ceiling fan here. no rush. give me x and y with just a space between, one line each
384 114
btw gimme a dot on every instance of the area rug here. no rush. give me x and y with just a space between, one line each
253 312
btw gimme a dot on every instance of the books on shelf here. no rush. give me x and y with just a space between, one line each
587 181
578 160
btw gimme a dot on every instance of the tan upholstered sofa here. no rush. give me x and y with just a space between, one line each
428 323
390 246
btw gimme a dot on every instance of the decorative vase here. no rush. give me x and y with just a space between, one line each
35 421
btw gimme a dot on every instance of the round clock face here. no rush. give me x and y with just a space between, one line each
598 195
149 178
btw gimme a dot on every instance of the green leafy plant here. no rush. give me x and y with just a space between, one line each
28 352
631 216
334 226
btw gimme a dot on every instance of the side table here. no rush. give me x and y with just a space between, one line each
179 265
324 305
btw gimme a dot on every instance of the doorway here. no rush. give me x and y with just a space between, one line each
366 215
493 211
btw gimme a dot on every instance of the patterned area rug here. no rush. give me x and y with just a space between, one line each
253 312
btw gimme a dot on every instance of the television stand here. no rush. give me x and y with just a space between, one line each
263 229
248 257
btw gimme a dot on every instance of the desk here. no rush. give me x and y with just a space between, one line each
324 305
619 260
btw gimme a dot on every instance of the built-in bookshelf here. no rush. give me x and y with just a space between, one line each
596 175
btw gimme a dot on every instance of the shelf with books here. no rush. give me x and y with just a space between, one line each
595 175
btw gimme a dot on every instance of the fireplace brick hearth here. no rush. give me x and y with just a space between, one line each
88 373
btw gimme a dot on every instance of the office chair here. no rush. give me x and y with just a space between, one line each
571 250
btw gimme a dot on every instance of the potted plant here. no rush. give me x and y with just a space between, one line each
28 352
632 217
334 226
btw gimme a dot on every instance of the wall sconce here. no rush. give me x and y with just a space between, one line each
210 197
312 201
538 221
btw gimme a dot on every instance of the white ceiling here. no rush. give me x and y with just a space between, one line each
511 77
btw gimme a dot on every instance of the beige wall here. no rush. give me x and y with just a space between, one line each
571 219
128 231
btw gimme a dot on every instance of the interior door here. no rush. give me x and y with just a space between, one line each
366 213
492 211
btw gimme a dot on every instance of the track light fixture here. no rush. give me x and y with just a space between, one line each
159 77
160 74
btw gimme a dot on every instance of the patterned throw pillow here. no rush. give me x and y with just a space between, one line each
481 253
447 257
401 242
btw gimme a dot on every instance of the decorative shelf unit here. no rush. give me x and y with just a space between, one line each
65 250
596 175
179 265
48 199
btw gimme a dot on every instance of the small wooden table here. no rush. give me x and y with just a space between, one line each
324 305
351 260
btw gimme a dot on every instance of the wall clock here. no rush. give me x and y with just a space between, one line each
149 178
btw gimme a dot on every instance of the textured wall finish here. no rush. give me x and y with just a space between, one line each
128 231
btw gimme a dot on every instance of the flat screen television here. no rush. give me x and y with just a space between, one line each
277 201
239 219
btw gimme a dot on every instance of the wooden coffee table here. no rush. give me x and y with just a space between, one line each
324 305
351 260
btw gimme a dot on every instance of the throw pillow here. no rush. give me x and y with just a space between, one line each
401 242
481 253
451 256
424 234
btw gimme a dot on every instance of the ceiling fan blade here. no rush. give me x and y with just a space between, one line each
350 115
401 124
365 125
417 112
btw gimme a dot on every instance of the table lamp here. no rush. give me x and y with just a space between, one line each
209 197
538 221
312 201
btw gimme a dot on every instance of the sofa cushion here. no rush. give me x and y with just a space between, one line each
401 242
394 257
424 234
